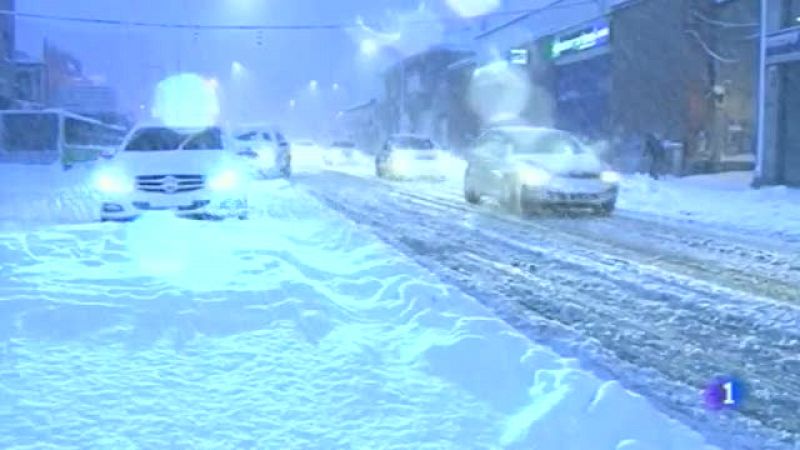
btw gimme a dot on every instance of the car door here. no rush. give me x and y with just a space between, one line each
283 145
488 162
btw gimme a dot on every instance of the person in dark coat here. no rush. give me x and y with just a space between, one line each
655 152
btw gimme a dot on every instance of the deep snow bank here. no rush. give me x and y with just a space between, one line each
294 330
722 199
47 194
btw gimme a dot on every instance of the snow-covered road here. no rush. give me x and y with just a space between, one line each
663 306
293 330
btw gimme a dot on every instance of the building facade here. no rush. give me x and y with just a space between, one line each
424 95
684 70
779 146
7 45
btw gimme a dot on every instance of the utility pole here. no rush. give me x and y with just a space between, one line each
762 92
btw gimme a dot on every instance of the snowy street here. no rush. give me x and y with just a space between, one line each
400 225
658 304
292 330
300 311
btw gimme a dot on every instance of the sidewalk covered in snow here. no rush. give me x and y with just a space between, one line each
725 199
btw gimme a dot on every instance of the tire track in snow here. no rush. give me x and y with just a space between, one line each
697 253
686 333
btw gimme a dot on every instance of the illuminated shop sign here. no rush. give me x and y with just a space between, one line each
586 39
518 56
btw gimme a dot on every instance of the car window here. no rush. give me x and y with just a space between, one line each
162 138
492 145
411 142
208 139
154 139
533 142
250 136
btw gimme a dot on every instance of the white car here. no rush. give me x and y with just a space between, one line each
191 171
526 167
266 150
411 156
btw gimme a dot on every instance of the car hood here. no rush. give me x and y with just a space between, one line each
174 161
563 163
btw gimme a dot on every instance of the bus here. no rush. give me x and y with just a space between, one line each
55 137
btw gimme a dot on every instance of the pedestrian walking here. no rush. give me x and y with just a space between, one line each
655 153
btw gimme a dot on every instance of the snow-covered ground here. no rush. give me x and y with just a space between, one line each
724 199
292 330
36 194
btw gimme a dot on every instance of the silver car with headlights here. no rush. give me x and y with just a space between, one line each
530 167
190 171
410 156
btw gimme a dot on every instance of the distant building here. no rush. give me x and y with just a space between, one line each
779 150
30 82
424 93
618 69
7 45
86 98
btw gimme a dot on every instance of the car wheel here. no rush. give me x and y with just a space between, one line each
469 194
512 197
471 197
380 171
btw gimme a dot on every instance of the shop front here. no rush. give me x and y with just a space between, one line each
779 155
582 87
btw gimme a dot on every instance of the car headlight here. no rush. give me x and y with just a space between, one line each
532 176
224 181
399 161
113 183
610 177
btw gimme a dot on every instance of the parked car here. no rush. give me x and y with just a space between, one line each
190 171
266 149
409 156
526 167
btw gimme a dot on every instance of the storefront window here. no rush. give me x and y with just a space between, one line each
791 13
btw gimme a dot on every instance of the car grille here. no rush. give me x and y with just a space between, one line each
170 184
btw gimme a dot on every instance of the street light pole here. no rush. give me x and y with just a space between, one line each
762 92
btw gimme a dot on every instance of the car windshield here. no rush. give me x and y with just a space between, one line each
159 139
400 224
544 142
412 142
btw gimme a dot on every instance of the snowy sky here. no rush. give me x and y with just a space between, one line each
134 59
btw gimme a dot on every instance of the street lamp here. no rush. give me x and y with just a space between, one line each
237 68
369 47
